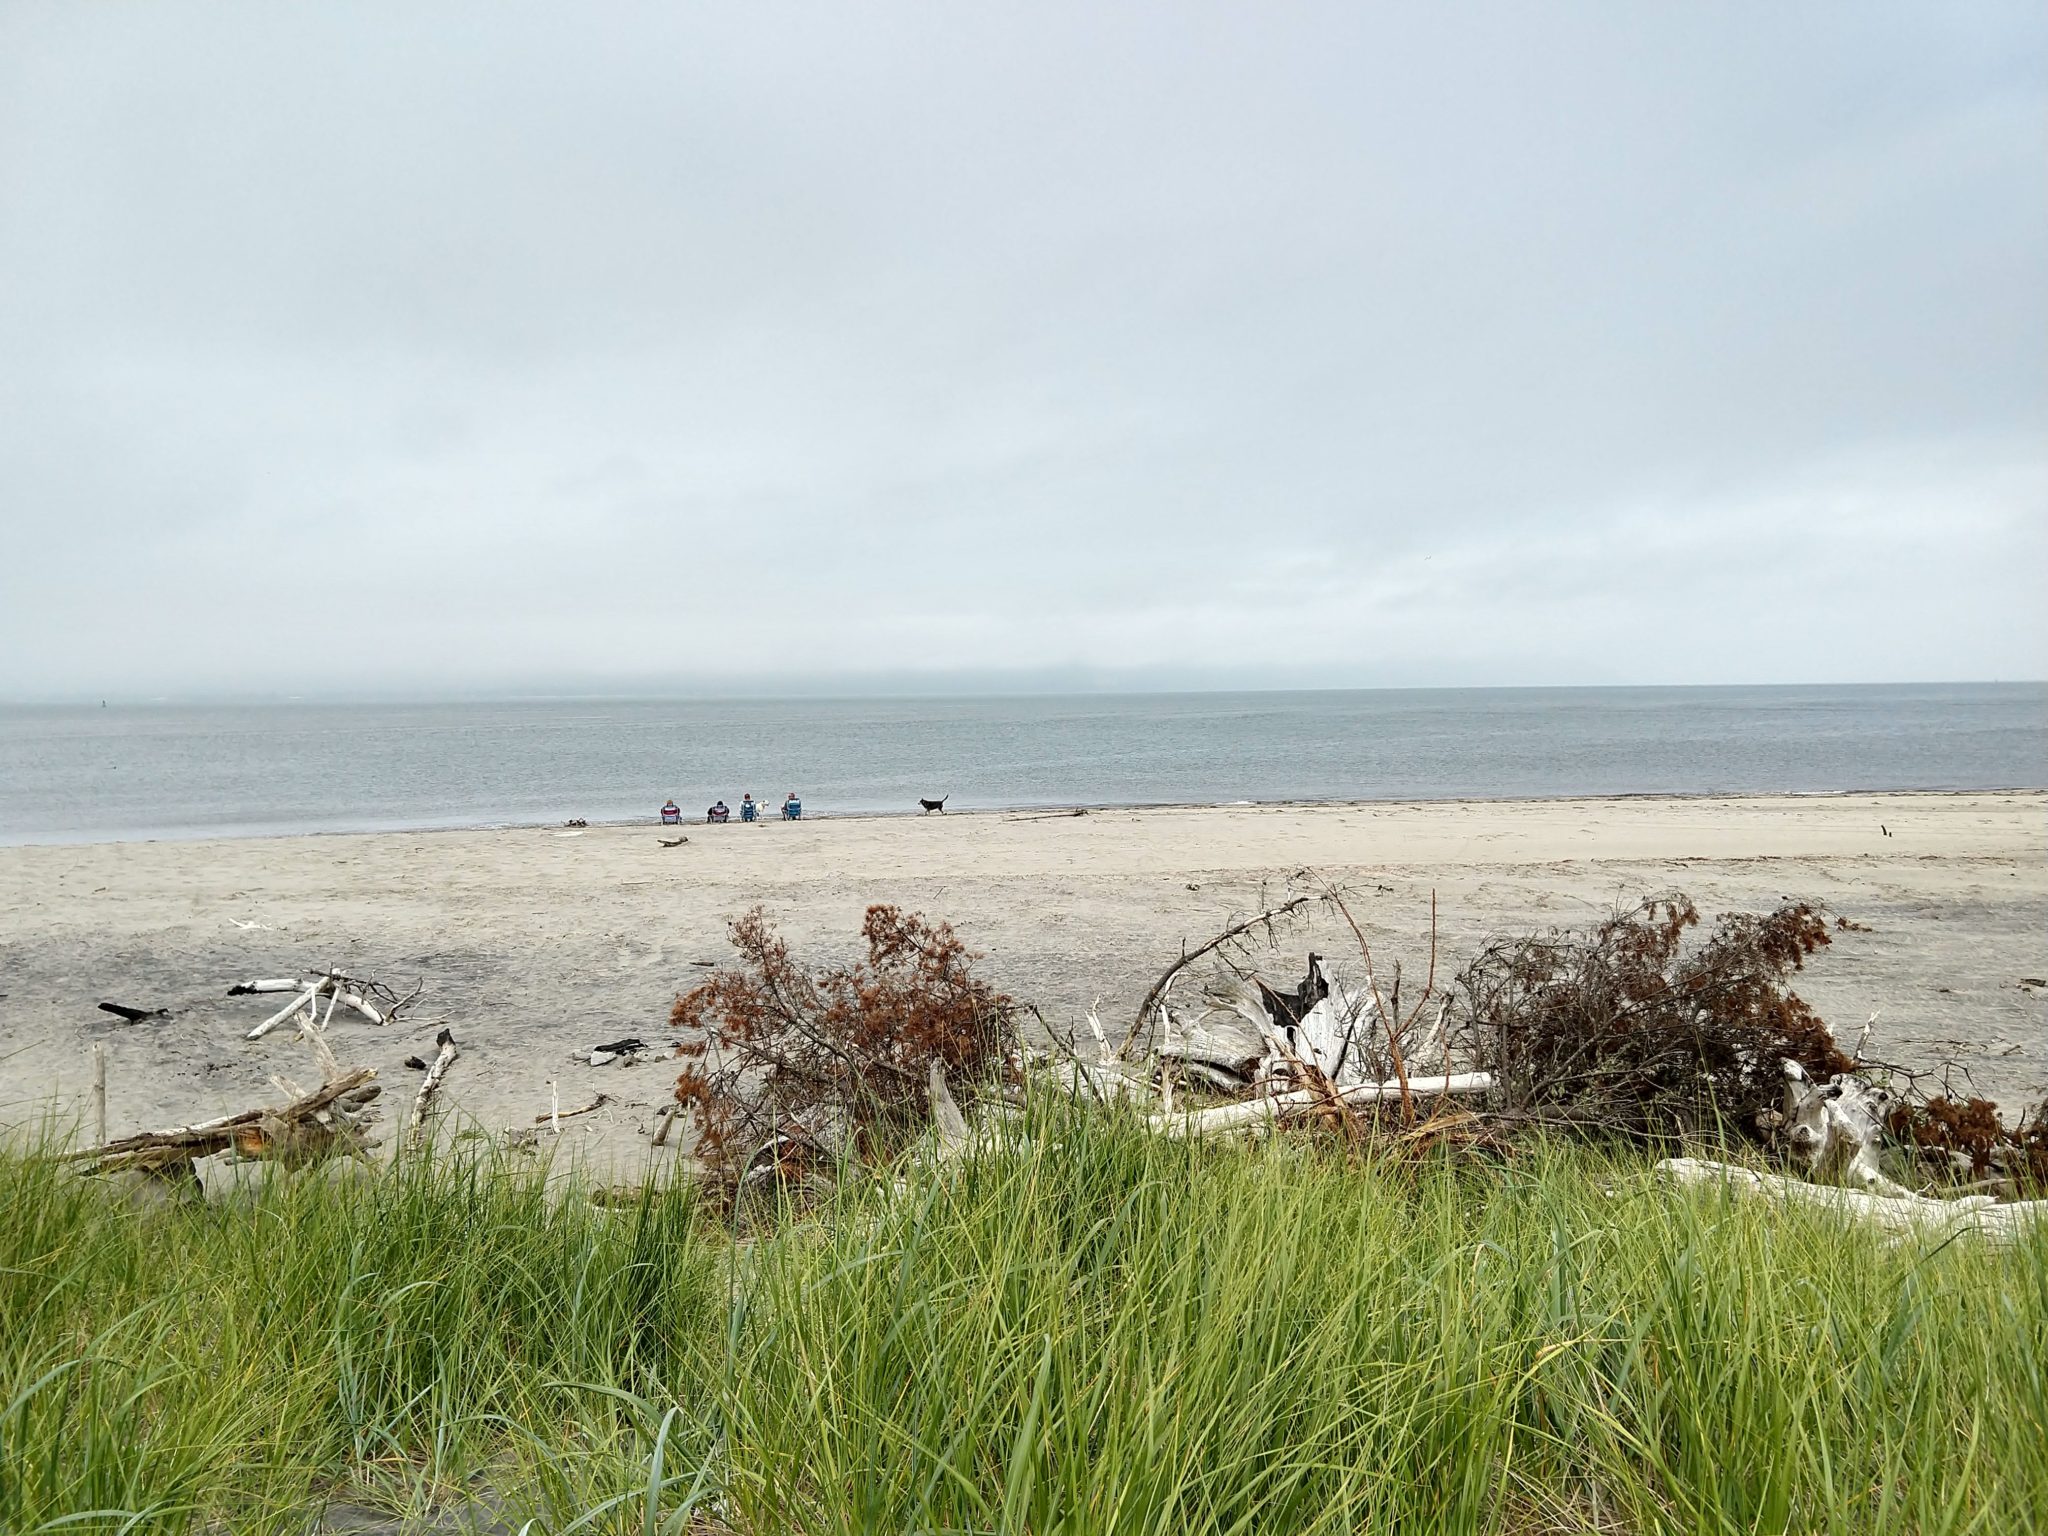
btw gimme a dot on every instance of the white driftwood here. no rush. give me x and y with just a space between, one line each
1256 1114
443 1059
1902 1215
315 1036
337 986
946 1117
1226 1030
1835 1129
1104 1084
364 1006
303 1001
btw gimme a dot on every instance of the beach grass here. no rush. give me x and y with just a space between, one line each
1104 1331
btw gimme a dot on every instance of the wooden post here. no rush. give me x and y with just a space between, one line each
99 1094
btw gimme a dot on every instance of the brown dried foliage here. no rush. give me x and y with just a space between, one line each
1626 1030
1972 1128
791 1068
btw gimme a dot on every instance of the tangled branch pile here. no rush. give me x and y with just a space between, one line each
1974 1143
1624 1030
791 1068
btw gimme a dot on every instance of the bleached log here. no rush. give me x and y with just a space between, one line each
1901 1215
1104 1084
273 984
303 1001
1254 1114
364 1006
443 1059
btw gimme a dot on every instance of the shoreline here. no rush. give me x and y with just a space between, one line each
1052 810
534 943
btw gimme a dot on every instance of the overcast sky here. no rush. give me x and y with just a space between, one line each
361 347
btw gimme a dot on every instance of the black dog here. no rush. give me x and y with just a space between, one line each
935 805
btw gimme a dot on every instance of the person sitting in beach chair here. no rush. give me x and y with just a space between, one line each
792 808
718 812
750 808
671 813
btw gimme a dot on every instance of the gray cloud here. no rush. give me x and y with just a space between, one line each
361 347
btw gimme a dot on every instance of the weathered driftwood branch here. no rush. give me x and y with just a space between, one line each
99 1091
1254 1114
444 1059
1902 1215
377 1004
1236 930
300 1004
312 1125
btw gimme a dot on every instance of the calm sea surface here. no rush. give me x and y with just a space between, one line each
85 774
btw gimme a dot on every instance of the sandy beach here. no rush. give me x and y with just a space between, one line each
534 942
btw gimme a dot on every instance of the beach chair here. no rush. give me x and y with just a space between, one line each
792 810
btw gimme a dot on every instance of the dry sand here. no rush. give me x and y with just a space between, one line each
533 942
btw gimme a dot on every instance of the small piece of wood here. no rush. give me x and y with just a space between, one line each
444 1059
99 1093
556 1115
946 1117
274 984
129 1015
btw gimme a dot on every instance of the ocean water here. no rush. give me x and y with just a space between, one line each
76 774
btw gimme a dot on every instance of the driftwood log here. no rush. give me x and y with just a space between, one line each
436 1070
327 1122
1902 1215
1257 1114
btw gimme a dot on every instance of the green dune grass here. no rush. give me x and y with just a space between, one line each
1109 1332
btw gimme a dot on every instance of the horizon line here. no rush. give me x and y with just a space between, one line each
801 693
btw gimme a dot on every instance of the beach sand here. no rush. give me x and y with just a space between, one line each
534 942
